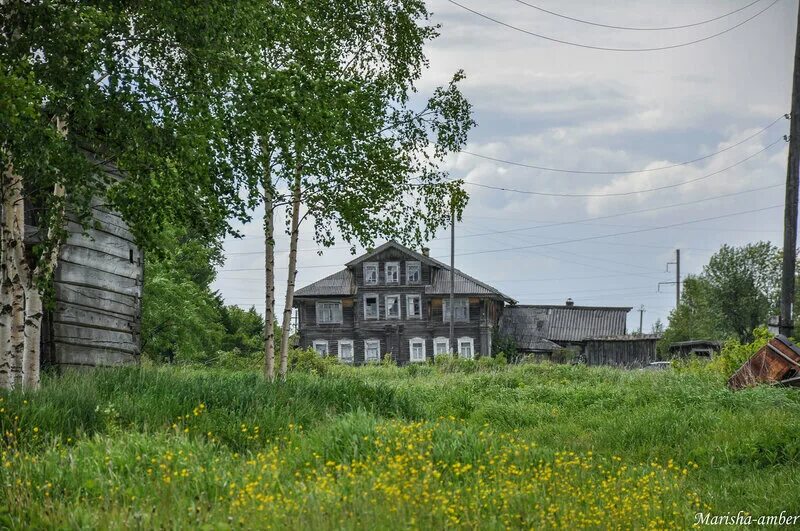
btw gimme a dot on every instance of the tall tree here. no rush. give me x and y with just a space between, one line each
131 83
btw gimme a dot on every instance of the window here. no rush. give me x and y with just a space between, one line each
392 272
416 348
413 306
372 350
370 273
321 346
393 306
370 306
441 345
461 309
413 272
346 350
465 348
329 312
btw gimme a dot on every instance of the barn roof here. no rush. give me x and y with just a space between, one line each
534 326
340 283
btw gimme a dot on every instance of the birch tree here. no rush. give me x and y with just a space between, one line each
131 83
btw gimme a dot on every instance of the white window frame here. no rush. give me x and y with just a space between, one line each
336 319
373 342
386 266
418 266
411 343
376 267
352 351
377 307
386 305
465 340
317 342
456 301
439 341
409 306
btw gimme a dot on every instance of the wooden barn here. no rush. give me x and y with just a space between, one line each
622 351
594 334
96 315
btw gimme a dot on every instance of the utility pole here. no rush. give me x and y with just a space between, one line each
641 318
790 207
677 277
452 275
677 282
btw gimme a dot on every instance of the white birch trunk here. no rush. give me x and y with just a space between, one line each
16 269
6 290
287 310
269 265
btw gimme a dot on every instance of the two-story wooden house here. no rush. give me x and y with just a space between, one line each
397 301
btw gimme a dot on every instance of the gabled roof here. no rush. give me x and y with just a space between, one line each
343 283
393 244
340 283
528 324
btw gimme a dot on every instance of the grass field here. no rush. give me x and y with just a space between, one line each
534 446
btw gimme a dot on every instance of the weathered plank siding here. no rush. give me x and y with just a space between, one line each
624 352
96 316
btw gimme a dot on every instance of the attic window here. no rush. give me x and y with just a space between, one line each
370 273
392 272
413 272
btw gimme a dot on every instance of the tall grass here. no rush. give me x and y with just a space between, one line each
307 453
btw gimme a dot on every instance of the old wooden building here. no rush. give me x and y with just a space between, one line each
544 329
595 335
95 317
395 301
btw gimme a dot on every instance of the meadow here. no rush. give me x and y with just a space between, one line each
459 445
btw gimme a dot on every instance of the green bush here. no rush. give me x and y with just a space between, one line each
309 361
729 359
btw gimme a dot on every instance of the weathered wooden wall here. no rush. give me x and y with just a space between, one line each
95 318
637 352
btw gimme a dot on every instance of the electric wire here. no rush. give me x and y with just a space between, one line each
625 172
607 48
634 28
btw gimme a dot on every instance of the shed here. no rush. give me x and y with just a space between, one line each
547 328
696 347
623 351
95 316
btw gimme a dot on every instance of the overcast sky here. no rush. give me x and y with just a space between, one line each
542 103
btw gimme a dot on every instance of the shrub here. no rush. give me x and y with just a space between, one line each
309 361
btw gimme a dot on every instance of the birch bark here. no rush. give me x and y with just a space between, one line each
287 310
269 265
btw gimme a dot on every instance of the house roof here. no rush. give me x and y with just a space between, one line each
530 325
340 283
463 285
343 284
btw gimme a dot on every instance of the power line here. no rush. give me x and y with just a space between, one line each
624 172
622 233
630 212
604 48
633 28
561 242
630 192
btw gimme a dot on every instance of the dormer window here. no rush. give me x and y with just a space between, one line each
392 272
370 273
413 272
